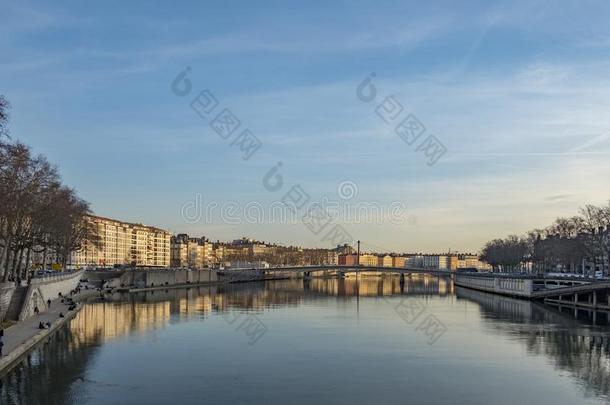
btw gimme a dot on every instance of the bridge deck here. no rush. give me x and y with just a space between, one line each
346 268
583 288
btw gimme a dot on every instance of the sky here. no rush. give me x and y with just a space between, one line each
516 93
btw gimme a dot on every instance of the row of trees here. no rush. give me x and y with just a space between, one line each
576 244
38 214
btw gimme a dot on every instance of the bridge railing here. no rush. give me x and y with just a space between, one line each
518 286
56 276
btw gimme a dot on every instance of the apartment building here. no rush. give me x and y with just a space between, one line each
259 249
179 254
452 262
123 243
345 249
385 261
218 253
472 262
332 257
435 262
368 260
416 261
194 253
399 261
347 259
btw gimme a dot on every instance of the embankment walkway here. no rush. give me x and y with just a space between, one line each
23 336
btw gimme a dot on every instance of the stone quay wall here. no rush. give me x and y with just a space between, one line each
159 277
234 276
519 287
46 288
6 293
98 277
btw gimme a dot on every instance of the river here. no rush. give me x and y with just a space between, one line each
360 340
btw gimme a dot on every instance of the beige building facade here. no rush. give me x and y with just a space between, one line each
385 261
399 261
123 244
472 262
369 260
193 253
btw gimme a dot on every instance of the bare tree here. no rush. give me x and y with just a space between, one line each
37 213
563 246
596 221
4 107
69 230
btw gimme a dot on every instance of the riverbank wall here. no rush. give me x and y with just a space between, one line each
6 294
510 286
97 278
48 288
10 360
140 279
23 337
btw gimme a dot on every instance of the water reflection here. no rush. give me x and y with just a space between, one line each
60 362
371 286
121 314
73 366
573 346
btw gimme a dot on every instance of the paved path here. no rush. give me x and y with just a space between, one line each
24 335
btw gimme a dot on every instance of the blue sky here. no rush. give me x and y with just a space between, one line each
517 93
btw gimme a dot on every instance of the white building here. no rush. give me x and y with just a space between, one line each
435 262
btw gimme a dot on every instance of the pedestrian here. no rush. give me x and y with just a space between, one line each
36 310
1 340
49 303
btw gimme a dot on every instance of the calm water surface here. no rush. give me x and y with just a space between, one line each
353 341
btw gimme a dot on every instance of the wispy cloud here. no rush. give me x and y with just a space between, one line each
558 197
510 88
600 139
543 74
